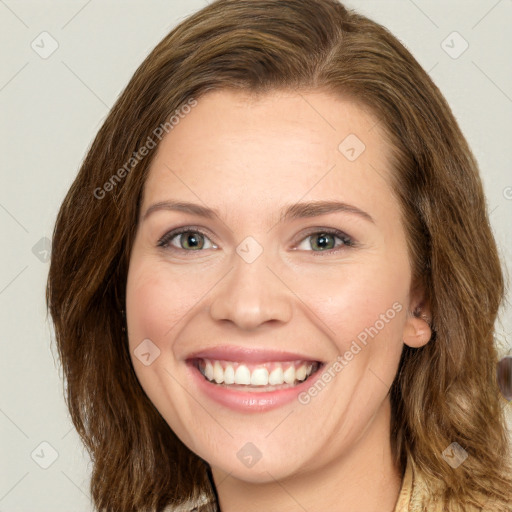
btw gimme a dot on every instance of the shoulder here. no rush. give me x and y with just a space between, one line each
419 495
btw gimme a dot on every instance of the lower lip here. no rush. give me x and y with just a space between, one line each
247 401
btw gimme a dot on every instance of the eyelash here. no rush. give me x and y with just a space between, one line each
348 242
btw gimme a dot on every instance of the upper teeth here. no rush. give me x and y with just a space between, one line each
274 373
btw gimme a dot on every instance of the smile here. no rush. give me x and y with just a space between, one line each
248 379
269 375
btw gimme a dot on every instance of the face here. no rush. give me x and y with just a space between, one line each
268 334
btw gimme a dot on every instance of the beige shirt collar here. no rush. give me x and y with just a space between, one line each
404 497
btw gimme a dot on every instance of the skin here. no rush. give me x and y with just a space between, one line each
248 157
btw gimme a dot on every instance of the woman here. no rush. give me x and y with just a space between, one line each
274 283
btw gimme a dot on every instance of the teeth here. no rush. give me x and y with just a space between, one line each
218 373
276 376
289 375
259 377
229 375
300 373
272 373
208 371
242 375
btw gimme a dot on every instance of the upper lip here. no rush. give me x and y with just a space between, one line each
249 355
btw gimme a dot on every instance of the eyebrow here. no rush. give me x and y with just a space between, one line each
289 212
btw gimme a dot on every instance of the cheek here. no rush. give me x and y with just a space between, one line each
363 309
157 301
156 306
354 300
147 310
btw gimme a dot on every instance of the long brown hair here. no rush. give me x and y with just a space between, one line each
444 392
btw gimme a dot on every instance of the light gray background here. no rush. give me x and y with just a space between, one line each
51 109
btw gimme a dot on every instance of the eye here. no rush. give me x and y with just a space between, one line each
192 239
189 239
325 241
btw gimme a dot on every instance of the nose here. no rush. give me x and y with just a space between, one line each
250 295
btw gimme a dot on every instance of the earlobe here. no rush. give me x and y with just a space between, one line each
418 326
417 331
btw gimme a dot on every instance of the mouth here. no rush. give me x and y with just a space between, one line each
256 377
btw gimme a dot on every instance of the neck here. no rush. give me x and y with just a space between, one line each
362 478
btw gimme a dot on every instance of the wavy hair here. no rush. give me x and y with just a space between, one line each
443 392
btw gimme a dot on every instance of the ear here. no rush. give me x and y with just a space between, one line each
417 329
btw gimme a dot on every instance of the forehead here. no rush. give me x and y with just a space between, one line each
245 151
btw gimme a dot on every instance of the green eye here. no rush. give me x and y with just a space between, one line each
189 240
325 241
